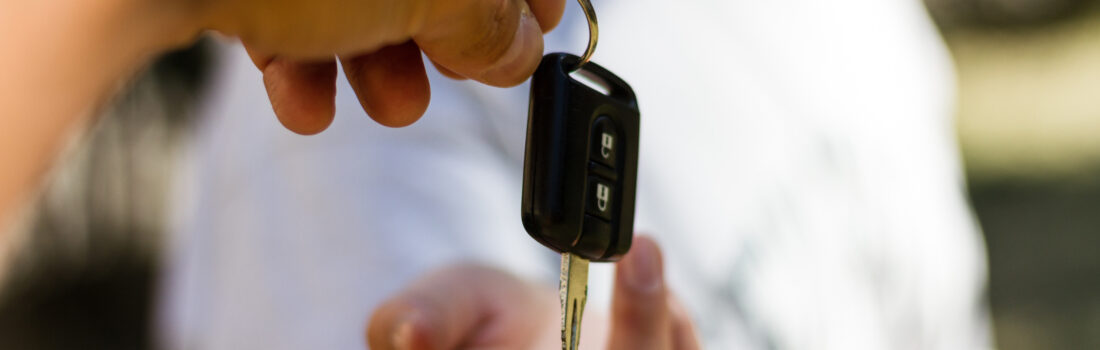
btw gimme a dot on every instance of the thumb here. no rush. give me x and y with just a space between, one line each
497 42
640 316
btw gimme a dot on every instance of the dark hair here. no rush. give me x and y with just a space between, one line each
83 276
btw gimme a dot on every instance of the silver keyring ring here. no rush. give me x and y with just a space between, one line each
593 31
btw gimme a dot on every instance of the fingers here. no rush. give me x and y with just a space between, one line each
462 307
640 315
447 72
432 314
497 42
301 93
390 83
683 329
548 12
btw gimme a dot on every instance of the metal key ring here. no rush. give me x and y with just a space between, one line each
593 31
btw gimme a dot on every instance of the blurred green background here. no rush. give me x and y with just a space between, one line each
1028 109
1028 123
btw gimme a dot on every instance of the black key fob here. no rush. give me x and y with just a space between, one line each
580 167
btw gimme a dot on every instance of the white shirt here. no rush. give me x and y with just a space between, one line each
797 165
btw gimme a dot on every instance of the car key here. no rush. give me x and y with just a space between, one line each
580 171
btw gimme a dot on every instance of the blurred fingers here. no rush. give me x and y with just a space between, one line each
433 313
683 329
640 315
467 306
391 83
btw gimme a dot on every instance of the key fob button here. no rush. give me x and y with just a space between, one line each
600 195
604 141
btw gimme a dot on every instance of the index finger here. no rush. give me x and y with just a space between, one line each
640 315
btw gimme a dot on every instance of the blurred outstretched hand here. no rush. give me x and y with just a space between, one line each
476 307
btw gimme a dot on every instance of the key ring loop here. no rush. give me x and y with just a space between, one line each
593 31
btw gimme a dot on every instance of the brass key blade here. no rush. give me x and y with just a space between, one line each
574 293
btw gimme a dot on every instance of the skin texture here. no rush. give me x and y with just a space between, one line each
65 58
478 307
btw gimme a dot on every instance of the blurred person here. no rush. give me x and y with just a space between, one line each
797 166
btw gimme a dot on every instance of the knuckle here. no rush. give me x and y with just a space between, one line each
393 313
380 318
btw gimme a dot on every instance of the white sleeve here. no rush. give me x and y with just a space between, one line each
287 242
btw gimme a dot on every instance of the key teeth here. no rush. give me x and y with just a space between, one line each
574 296
563 293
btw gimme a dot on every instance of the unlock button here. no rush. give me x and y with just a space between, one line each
604 141
600 198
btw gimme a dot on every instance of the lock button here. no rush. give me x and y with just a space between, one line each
604 141
600 195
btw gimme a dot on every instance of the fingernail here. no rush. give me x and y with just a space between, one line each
643 268
403 335
512 67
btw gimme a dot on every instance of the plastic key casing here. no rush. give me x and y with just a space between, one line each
581 162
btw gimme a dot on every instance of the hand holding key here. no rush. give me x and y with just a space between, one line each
479 307
379 44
